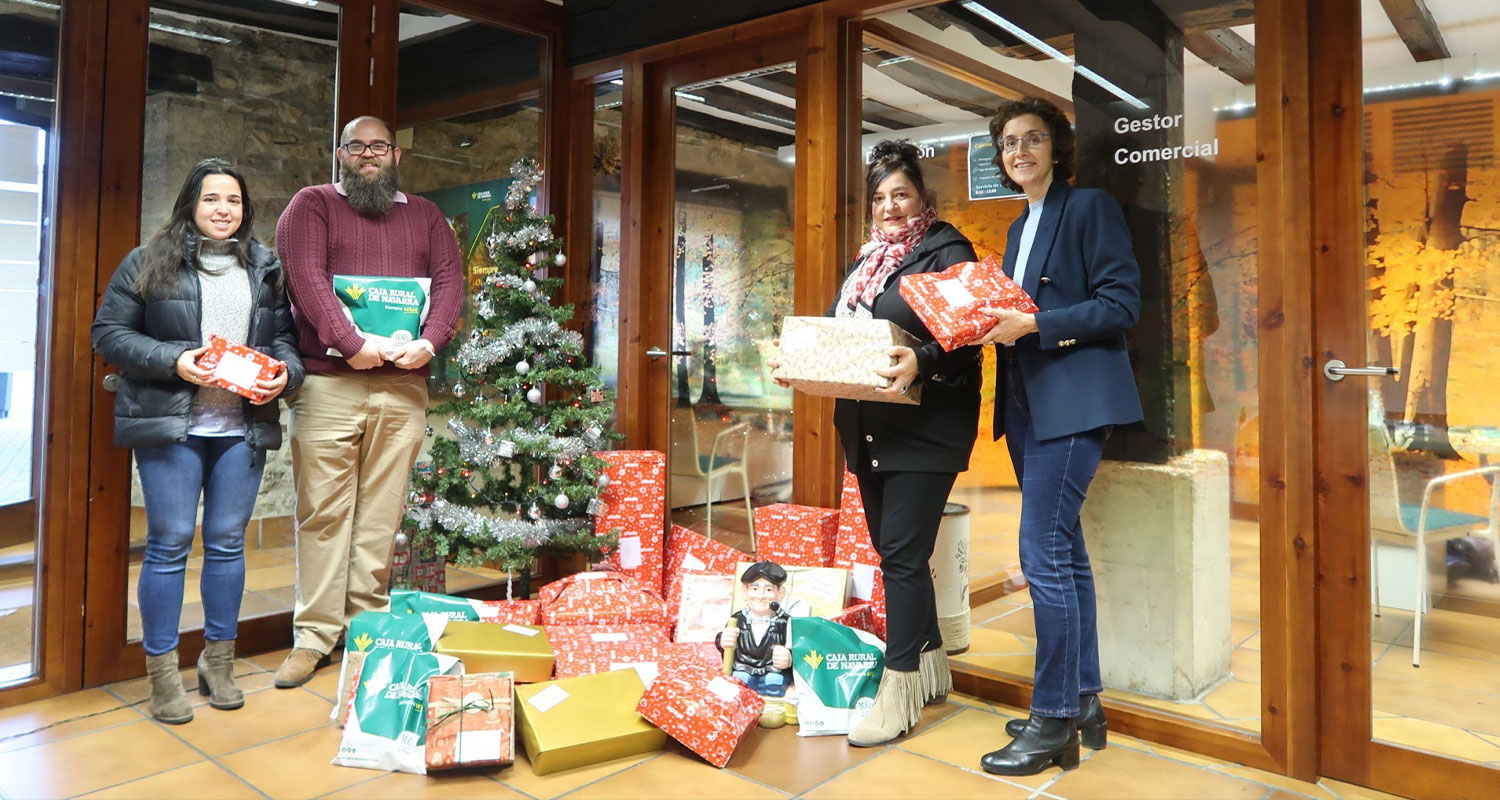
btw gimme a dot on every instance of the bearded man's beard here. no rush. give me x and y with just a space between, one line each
371 197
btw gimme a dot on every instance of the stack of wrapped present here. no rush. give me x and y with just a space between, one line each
604 664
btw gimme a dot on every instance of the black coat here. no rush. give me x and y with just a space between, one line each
143 338
1083 275
938 435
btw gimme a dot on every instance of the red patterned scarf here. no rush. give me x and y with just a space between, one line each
879 257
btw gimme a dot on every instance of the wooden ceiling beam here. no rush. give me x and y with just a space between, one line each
1226 50
1414 23
955 64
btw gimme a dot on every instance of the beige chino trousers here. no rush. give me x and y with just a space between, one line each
354 438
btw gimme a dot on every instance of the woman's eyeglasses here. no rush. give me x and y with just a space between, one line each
1013 143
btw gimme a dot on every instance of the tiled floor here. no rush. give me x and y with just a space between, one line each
99 744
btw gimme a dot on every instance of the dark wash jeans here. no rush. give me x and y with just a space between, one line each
1055 476
225 473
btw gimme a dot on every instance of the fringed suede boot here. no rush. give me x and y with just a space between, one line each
898 709
937 678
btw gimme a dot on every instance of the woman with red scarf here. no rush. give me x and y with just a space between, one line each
906 457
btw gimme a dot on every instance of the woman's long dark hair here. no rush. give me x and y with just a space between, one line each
177 241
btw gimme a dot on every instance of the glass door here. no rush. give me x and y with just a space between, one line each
28 71
257 88
1418 705
728 283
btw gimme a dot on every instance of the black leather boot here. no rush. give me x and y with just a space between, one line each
1092 726
1044 742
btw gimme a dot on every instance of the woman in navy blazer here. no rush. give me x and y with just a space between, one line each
1063 381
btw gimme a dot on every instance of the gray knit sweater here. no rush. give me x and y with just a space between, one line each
225 289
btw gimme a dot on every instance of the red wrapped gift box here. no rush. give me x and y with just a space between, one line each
790 534
690 551
859 616
510 612
709 712
600 598
419 568
948 302
855 552
635 502
470 720
587 649
236 367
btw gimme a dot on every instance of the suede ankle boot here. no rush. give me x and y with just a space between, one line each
898 709
1092 726
216 675
937 678
1044 742
169 702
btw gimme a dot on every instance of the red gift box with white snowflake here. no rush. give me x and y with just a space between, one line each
804 536
948 302
236 367
634 500
855 552
709 712
691 552
587 649
859 616
600 598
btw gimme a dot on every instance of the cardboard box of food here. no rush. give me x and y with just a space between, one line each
575 722
832 357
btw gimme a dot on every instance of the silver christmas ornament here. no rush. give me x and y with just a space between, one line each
534 395
529 286
401 539
522 368
561 501
559 259
602 480
458 390
555 472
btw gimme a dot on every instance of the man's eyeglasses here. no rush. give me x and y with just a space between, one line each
360 148
1012 143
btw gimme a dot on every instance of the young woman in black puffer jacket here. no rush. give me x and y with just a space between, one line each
201 274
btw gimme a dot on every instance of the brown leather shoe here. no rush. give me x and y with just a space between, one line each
299 666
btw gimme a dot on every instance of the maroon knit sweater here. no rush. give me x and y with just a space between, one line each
320 235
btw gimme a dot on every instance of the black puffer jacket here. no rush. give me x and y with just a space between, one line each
938 435
143 338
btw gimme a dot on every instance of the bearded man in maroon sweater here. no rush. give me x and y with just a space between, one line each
359 420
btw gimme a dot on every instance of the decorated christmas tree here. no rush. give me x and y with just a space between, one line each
513 470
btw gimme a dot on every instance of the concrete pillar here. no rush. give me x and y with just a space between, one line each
1158 537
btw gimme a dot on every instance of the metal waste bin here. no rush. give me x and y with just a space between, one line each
950 577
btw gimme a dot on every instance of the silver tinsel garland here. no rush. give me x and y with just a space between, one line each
524 173
480 447
530 334
441 514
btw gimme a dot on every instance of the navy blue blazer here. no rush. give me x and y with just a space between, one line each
1083 276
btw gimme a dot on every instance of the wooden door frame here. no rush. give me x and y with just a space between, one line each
827 186
105 655
68 310
1338 289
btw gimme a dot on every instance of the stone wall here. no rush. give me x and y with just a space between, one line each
266 103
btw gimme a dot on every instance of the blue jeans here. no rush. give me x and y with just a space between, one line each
225 472
1055 476
771 684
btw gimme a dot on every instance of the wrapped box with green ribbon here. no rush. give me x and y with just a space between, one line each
470 720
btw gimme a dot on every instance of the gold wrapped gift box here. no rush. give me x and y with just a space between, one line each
586 720
488 647
830 357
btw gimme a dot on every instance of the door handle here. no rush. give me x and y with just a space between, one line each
1335 370
657 352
